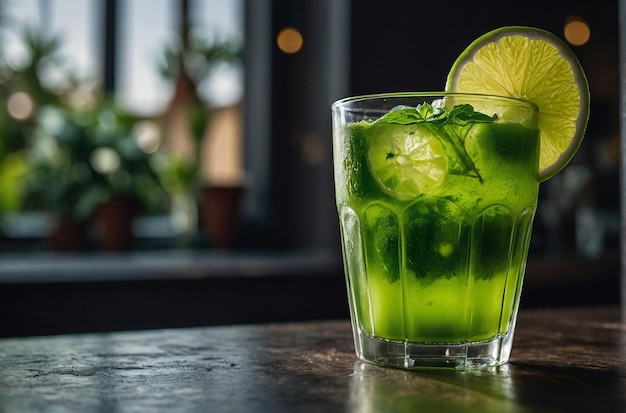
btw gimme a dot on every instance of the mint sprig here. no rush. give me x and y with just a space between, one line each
449 127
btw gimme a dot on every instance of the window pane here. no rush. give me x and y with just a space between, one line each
72 21
147 27
224 18
15 15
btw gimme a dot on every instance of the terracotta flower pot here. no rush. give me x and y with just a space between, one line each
114 222
220 214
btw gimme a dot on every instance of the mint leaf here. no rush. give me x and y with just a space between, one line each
404 116
449 127
465 113
460 114
428 112
407 116
454 136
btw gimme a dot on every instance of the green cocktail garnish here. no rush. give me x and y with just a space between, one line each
409 164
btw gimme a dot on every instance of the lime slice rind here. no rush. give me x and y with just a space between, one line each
532 64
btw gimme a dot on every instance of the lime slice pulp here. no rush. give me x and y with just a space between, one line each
406 160
532 64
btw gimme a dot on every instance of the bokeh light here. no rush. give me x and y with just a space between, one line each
289 40
20 106
576 31
147 134
105 160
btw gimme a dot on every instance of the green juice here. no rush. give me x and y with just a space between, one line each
444 266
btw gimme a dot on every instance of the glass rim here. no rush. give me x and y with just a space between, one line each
433 94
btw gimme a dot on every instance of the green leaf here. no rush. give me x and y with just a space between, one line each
465 113
450 127
461 162
404 116
460 114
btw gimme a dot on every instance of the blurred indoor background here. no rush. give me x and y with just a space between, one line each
204 126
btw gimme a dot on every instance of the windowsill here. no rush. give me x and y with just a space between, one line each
177 264
47 293
53 267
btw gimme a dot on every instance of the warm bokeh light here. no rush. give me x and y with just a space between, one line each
576 31
20 106
289 40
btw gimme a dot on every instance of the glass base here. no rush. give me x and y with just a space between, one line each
408 355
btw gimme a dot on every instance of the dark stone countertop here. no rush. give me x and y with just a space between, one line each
569 360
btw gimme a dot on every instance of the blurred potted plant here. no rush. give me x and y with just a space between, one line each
89 165
188 65
21 91
82 158
58 180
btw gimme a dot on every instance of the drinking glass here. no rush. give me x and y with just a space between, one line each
436 203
